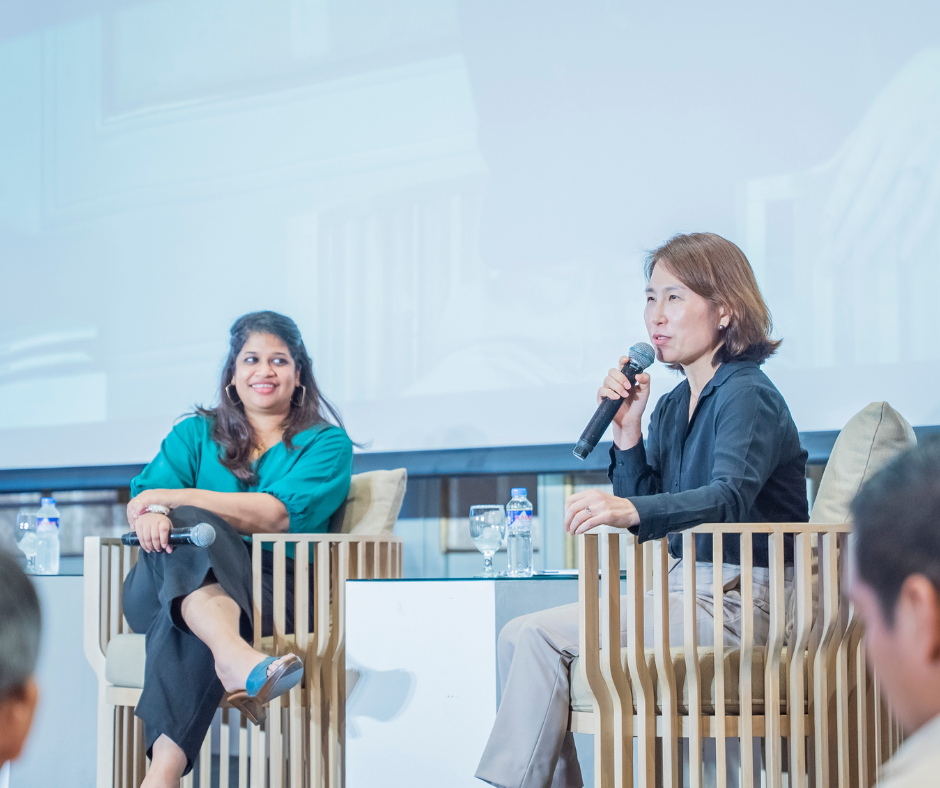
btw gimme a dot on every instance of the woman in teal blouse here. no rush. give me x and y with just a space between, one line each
272 457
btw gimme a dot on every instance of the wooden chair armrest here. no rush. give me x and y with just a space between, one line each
91 629
94 629
771 528
338 538
740 528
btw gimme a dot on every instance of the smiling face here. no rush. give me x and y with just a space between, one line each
265 376
683 326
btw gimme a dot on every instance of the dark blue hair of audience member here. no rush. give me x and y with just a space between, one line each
897 524
231 429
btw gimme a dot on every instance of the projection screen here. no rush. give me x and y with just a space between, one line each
453 200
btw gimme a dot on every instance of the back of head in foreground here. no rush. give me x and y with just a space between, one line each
20 624
894 580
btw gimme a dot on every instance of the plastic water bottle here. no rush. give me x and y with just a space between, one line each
47 538
519 526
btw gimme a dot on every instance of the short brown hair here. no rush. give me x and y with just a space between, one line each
718 271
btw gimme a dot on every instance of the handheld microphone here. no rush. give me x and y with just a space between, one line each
200 535
641 356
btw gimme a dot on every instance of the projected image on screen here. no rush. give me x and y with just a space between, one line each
453 200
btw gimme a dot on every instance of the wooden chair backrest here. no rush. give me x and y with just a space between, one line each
849 730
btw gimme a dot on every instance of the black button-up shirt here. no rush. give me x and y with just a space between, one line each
738 460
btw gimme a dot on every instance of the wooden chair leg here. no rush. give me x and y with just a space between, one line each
258 755
224 745
242 752
205 760
106 735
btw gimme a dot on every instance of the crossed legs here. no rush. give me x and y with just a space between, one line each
213 617
195 606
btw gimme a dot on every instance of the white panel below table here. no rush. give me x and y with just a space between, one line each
424 651
60 750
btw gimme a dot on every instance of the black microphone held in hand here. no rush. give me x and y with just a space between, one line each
200 535
641 356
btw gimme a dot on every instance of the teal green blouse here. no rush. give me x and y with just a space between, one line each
311 480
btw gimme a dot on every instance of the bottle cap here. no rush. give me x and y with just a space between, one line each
518 492
49 501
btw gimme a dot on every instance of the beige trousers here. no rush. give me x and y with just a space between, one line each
530 746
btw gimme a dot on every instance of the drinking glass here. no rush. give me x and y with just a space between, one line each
26 538
488 529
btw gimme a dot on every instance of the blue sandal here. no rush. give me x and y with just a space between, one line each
264 688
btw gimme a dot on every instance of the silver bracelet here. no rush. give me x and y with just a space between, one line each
156 508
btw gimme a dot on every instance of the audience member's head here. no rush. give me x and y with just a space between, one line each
19 647
894 580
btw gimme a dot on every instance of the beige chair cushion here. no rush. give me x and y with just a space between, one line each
372 505
871 438
581 694
126 658
124 662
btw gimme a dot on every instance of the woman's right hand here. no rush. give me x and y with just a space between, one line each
153 531
626 424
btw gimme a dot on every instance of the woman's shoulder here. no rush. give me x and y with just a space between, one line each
323 435
192 427
747 374
747 379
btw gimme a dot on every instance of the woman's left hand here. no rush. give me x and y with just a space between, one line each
590 508
137 504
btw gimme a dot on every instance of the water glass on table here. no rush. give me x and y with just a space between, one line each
26 538
488 530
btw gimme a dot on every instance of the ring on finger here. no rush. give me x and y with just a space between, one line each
588 510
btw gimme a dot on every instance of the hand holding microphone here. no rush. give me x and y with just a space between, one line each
633 394
200 535
153 531
621 400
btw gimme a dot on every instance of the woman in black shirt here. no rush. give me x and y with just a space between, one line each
721 447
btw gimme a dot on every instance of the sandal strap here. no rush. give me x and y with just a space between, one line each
258 675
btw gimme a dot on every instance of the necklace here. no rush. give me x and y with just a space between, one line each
261 447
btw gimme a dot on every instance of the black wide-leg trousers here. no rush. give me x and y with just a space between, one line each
181 689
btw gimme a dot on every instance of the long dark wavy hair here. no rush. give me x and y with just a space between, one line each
231 429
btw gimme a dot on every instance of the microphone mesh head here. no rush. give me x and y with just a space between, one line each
642 355
202 535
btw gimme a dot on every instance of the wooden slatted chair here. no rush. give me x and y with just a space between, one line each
302 742
808 687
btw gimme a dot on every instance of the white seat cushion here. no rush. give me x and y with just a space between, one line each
124 662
